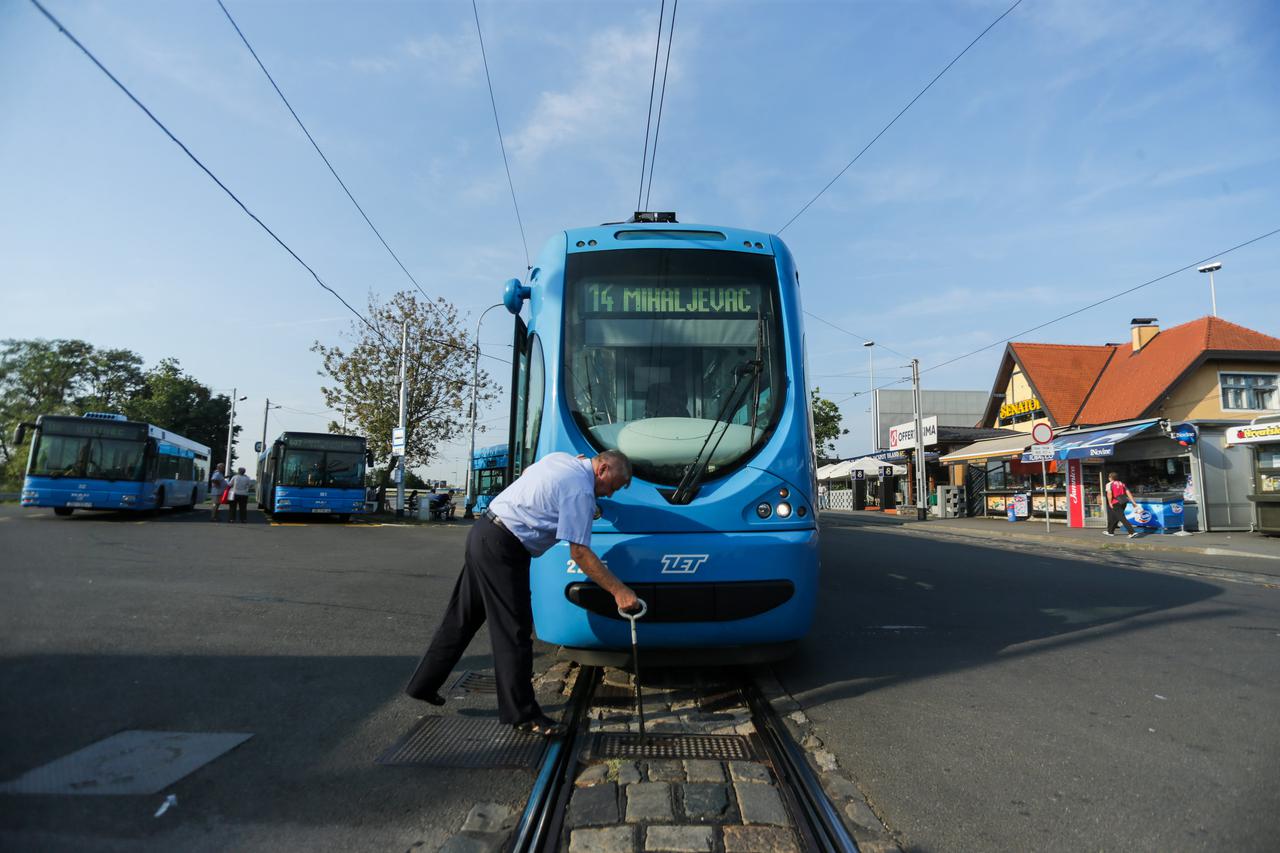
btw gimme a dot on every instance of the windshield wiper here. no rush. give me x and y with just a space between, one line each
695 470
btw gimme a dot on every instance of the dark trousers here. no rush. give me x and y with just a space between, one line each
493 585
239 502
1115 515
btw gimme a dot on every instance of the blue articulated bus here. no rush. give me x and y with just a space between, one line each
106 461
313 473
683 347
488 474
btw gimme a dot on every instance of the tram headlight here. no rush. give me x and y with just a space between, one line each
784 493
764 510
784 510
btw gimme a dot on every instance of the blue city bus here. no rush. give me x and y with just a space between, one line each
106 461
683 347
488 474
316 473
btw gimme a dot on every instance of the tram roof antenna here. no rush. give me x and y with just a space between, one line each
652 216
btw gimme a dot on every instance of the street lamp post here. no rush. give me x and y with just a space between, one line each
1213 294
469 512
231 427
875 416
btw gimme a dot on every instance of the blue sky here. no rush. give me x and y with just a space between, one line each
1079 149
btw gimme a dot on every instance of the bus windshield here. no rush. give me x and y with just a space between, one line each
655 341
88 458
334 468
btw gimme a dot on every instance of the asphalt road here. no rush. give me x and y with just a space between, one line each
303 636
985 698
1018 698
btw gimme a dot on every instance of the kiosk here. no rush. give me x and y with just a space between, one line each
1263 436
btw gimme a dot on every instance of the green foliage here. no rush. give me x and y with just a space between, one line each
367 376
71 377
176 401
826 425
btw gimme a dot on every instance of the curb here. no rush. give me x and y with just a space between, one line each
1124 545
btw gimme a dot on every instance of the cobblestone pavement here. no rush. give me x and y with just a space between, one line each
671 805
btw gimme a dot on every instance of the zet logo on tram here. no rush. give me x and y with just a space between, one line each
682 564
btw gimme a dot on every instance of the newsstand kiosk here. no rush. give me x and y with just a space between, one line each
1263 437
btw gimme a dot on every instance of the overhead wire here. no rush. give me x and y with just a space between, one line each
653 160
648 121
62 29
894 120
501 145
332 170
855 334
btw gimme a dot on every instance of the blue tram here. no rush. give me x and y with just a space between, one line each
488 474
314 473
683 347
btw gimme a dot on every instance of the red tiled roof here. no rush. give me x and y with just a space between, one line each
1132 383
1061 374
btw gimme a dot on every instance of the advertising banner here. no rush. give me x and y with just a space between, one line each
903 436
1075 493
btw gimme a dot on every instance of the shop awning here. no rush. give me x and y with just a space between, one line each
988 448
1093 443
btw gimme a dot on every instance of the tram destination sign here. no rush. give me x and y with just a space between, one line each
338 442
671 301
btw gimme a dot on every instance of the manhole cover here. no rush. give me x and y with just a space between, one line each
132 762
476 682
714 747
464 742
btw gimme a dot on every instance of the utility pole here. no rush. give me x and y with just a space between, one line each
875 418
469 512
404 399
266 410
922 500
231 429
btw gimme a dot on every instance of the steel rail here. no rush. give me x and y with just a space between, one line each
797 781
543 817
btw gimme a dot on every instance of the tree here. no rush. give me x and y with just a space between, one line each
367 376
176 401
826 425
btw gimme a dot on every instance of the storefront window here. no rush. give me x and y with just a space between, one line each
1269 470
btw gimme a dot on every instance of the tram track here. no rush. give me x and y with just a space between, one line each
543 827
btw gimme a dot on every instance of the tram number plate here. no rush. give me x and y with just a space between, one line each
80 503
322 509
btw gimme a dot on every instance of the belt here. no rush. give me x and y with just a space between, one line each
496 521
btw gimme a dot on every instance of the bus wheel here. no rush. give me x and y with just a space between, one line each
195 495
344 518
159 501
63 510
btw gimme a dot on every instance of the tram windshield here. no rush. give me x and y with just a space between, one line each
655 342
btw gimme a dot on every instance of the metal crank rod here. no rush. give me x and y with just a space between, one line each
631 616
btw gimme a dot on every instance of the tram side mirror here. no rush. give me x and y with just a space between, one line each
514 294
257 447
20 432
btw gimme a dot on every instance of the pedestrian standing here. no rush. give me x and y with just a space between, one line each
1115 496
239 499
217 485
554 499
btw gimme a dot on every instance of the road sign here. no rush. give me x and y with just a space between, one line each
397 441
1042 433
1039 453
886 471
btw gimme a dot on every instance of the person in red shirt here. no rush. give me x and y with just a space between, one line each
1115 496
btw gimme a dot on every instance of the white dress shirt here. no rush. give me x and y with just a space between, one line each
553 499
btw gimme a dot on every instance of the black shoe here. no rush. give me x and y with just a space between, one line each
433 699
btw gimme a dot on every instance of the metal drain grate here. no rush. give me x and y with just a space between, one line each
477 742
476 682
714 747
613 696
